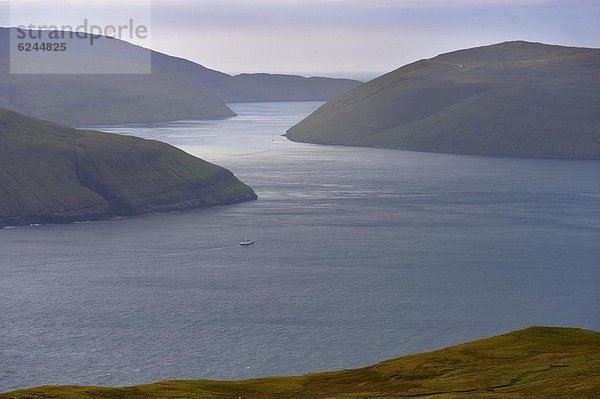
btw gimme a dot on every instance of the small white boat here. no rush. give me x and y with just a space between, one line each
246 243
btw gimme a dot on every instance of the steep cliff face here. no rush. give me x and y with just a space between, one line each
509 99
54 174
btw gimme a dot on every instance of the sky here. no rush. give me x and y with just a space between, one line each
340 38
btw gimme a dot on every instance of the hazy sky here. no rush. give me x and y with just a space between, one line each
349 37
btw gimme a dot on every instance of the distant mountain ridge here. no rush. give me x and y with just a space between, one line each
509 99
55 174
176 89
255 87
537 362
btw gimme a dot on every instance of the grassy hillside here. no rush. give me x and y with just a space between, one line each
509 99
80 99
538 362
51 173
176 89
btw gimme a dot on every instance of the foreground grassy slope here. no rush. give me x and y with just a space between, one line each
509 99
50 173
538 362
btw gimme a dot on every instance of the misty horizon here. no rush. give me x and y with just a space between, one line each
328 38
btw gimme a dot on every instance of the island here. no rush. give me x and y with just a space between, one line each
515 99
55 174
538 362
175 88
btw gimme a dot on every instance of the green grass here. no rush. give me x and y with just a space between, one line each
538 362
510 99
51 173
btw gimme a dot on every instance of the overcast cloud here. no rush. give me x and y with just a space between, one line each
345 37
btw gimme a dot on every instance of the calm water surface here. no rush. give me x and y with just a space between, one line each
361 255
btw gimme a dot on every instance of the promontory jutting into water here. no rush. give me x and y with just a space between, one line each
360 255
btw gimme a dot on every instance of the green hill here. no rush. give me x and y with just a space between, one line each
538 362
50 173
508 99
175 89
86 99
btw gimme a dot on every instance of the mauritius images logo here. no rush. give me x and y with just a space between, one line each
114 41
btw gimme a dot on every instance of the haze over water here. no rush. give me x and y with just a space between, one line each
361 255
